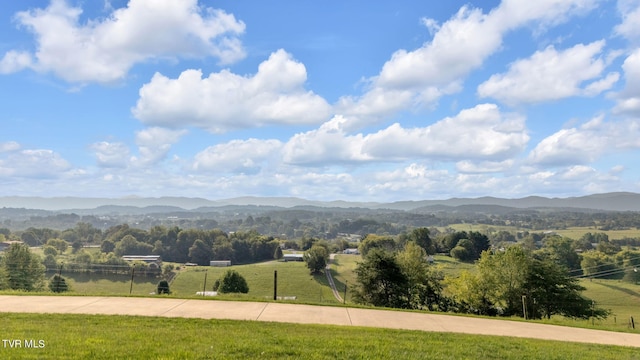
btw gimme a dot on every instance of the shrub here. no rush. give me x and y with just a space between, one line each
233 282
163 287
58 284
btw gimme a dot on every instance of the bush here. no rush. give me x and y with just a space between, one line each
58 284
233 282
163 287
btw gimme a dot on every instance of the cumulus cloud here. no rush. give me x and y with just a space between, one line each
111 154
482 132
550 75
480 167
629 97
13 61
238 156
9 146
586 143
32 163
154 143
630 12
330 143
225 101
104 49
461 44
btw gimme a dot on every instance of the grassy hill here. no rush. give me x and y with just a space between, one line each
69 336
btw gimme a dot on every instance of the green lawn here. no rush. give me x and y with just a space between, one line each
108 284
293 280
131 337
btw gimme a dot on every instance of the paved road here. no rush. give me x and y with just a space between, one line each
306 314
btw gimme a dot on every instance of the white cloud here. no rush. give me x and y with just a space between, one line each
471 167
104 49
154 143
629 97
225 101
630 11
585 144
481 132
238 156
13 61
111 154
328 144
461 44
9 146
550 75
32 163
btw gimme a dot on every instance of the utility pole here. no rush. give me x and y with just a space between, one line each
524 306
204 288
275 285
344 298
133 269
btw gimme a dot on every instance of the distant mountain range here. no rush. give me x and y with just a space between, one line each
615 201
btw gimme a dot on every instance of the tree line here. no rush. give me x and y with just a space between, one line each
512 281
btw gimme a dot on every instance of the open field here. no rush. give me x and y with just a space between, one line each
70 336
571 232
293 280
108 284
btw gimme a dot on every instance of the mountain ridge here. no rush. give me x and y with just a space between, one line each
612 201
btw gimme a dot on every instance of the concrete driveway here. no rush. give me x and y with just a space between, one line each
307 314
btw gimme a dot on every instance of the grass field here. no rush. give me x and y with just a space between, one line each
119 337
571 232
100 284
293 280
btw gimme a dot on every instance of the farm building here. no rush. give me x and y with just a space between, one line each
292 257
152 260
220 263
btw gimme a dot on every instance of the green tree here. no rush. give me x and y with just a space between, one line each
316 258
421 237
107 246
200 253
59 244
49 250
278 253
505 274
381 281
464 251
130 246
562 251
233 282
471 294
551 291
23 268
163 287
372 241
4 278
598 265
425 283
504 277
58 284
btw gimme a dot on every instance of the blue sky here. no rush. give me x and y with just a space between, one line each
350 100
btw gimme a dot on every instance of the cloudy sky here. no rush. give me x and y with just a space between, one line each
324 100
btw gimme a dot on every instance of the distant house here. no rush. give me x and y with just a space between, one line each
220 263
292 257
154 261
6 244
351 251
